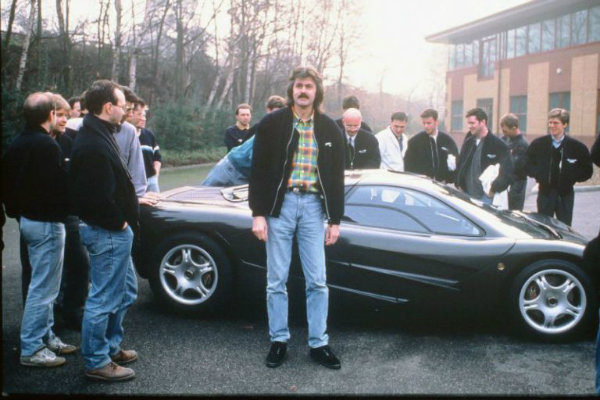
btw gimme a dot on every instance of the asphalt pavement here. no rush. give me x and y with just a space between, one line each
383 351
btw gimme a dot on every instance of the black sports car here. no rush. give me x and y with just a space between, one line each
403 239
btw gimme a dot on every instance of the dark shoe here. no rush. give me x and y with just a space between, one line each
111 373
324 356
276 354
125 357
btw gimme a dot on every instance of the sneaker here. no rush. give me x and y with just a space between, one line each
111 372
43 358
276 354
324 356
125 357
58 347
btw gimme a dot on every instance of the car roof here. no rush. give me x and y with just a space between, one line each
388 177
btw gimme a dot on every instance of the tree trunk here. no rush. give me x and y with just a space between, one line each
23 61
117 48
11 20
65 45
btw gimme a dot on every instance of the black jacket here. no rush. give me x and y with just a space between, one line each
576 163
234 136
274 148
518 150
494 151
101 187
363 125
150 151
419 156
365 153
595 152
34 178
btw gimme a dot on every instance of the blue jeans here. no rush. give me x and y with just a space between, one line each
301 214
114 289
598 362
153 184
225 174
46 247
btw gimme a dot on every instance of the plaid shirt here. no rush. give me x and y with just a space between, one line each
304 164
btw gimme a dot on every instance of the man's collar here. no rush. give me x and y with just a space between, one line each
350 138
397 137
297 117
558 140
241 127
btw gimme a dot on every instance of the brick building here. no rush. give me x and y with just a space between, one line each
527 60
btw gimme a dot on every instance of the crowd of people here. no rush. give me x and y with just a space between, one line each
75 183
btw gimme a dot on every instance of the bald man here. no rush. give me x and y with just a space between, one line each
362 148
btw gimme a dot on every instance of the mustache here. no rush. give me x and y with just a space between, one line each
303 96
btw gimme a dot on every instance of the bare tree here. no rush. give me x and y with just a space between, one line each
63 26
11 20
117 47
23 61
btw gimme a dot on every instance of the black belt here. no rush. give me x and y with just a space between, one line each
299 189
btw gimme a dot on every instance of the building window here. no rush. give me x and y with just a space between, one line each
487 106
488 57
534 38
510 44
457 116
564 31
521 41
518 106
594 24
560 100
548 33
476 52
459 60
579 27
468 55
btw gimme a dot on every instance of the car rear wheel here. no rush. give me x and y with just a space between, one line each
552 299
191 273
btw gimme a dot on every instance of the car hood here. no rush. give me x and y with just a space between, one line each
236 196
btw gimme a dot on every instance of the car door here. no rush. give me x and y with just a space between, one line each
402 245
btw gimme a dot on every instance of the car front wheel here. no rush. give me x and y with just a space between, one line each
191 273
553 300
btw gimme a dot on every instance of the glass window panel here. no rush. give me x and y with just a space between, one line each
560 100
487 105
594 24
476 52
460 59
510 44
518 106
521 41
468 55
564 35
579 27
451 58
548 33
534 38
457 115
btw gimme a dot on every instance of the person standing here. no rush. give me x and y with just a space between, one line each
517 145
237 134
481 150
557 161
104 198
297 180
352 102
393 143
34 191
149 146
431 152
362 149
234 168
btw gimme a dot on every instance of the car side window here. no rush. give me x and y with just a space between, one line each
415 211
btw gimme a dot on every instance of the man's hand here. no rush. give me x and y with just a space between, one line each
331 234
491 194
124 226
259 228
149 199
156 165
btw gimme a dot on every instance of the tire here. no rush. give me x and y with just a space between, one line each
202 284
552 300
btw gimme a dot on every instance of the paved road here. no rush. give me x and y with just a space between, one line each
383 351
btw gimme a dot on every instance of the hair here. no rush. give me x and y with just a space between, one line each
139 104
477 113
430 113
350 102
100 93
559 113
130 95
37 108
399 116
82 101
275 102
302 73
243 106
59 102
510 121
73 100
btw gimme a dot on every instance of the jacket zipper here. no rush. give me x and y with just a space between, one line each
287 148
321 181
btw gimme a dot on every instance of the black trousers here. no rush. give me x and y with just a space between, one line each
516 195
553 203
75 276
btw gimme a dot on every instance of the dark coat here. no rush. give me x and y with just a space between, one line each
518 150
419 156
576 163
494 151
274 148
365 153
363 125
595 152
101 187
34 178
234 136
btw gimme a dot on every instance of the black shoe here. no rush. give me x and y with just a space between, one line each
324 356
276 354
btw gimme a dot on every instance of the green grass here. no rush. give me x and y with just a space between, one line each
177 158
